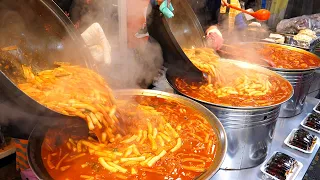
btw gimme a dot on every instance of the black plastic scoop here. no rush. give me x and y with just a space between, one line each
182 31
11 60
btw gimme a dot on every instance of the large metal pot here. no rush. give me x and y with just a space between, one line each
249 129
249 132
300 79
301 82
37 136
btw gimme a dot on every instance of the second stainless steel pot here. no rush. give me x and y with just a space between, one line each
300 79
301 82
249 129
249 132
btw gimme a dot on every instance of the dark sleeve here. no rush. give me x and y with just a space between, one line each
64 4
213 6
75 10
153 3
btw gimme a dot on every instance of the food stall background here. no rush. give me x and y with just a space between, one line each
121 19
285 9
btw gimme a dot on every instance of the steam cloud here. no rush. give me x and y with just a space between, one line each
238 36
135 69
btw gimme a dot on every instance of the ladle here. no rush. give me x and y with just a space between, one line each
261 14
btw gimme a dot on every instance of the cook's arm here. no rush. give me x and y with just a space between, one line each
214 36
213 7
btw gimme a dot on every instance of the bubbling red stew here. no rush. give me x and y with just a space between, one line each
275 55
165 140
243 92
232 84
281 57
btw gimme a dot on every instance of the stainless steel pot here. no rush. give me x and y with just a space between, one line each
300 79
249 132
37 136
249 129
301 82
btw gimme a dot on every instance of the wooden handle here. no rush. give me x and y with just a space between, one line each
239 9
224 3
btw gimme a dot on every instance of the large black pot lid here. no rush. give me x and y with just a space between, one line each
184 28
43 35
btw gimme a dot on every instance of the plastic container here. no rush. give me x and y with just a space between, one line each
315 108
303 124
292 175
287 140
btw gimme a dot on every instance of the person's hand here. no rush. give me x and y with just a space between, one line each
214 38
224 3
97 43
166 8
